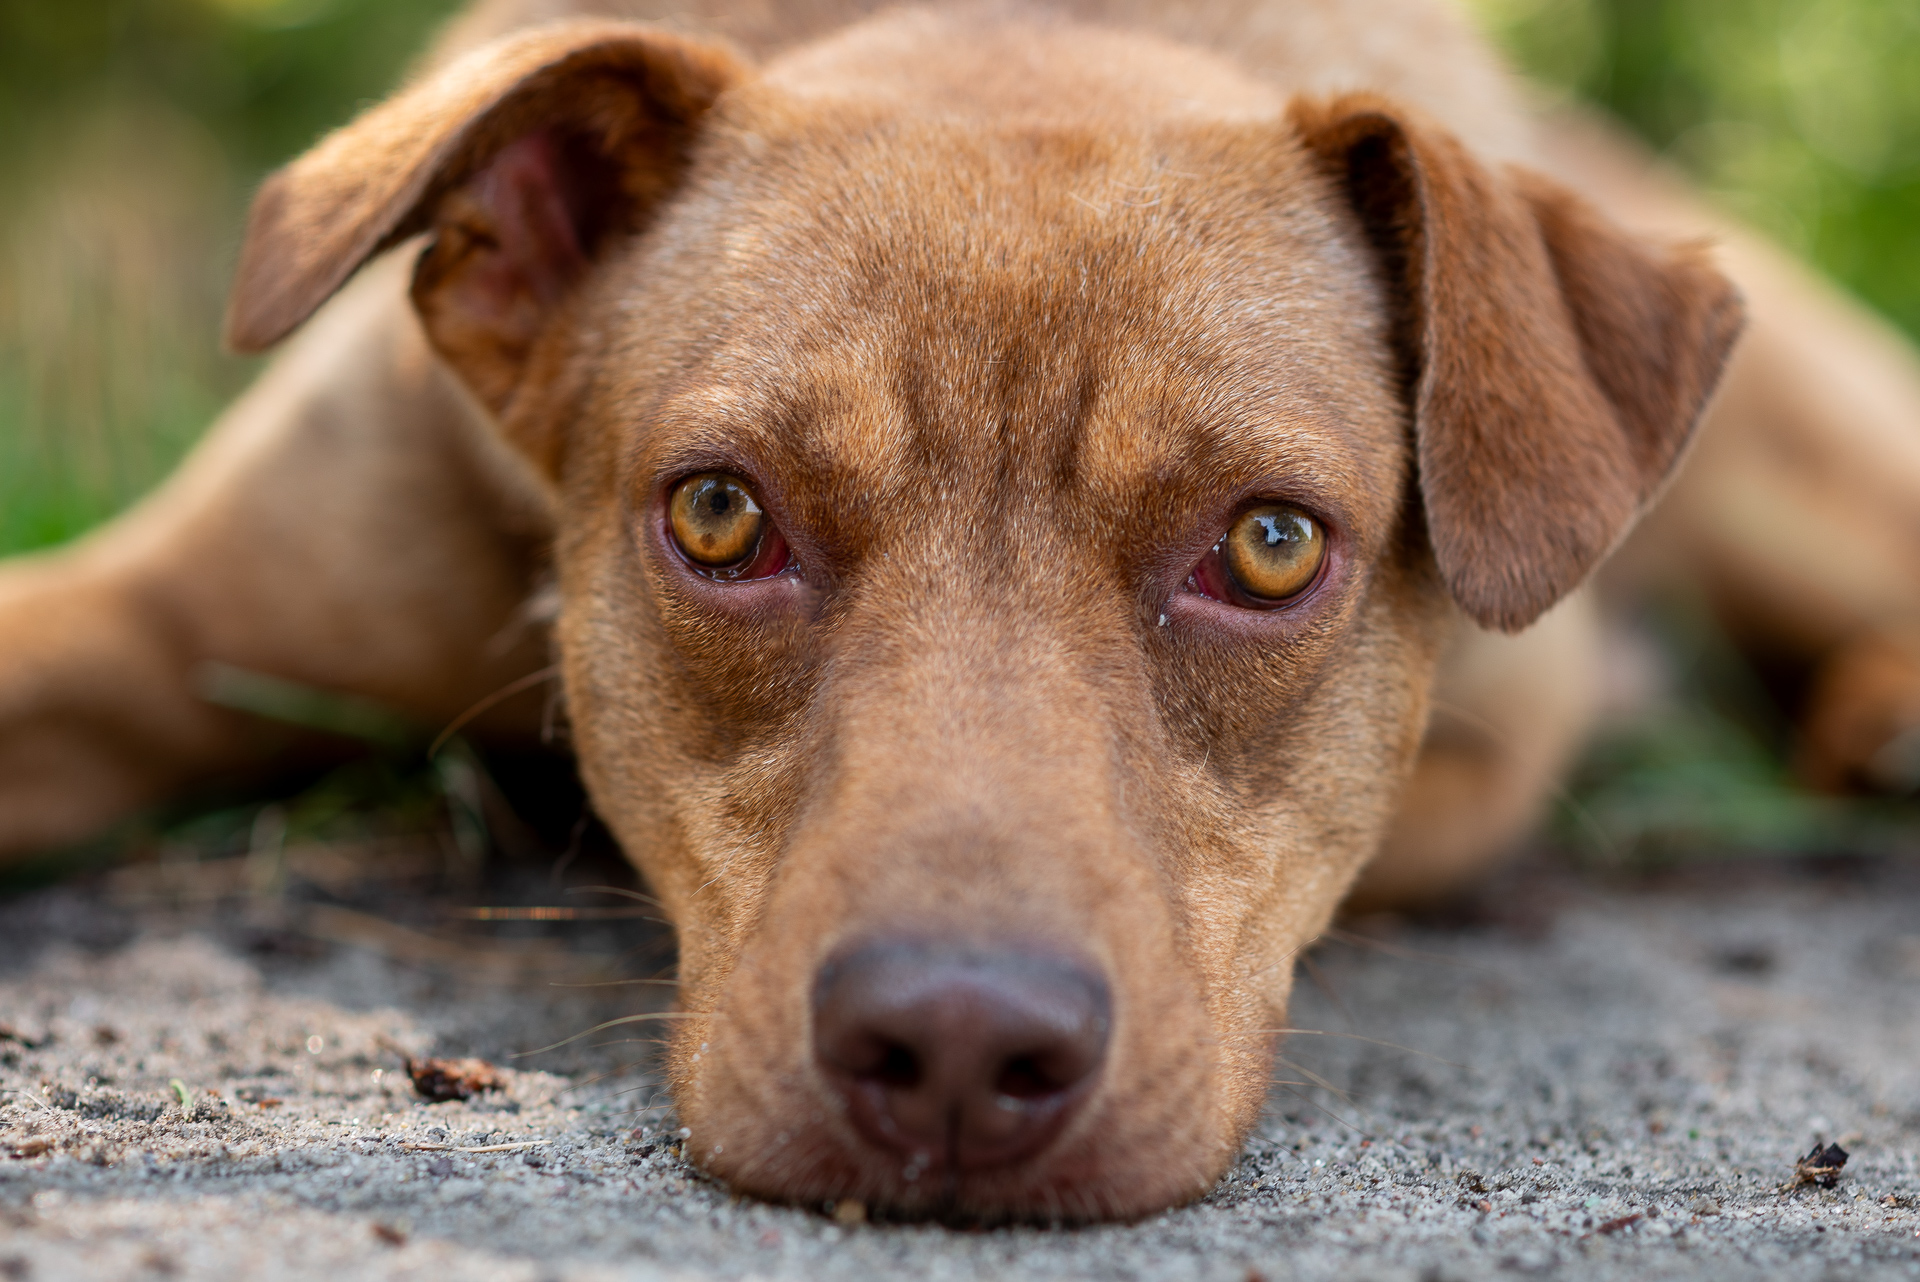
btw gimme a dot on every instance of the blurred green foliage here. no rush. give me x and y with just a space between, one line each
131 132
1700 769
1802 116
264 78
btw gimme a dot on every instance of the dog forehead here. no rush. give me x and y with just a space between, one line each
899 306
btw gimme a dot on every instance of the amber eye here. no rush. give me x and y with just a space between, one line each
715 519
1274 551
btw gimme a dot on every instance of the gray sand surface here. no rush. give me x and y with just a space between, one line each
1601 1083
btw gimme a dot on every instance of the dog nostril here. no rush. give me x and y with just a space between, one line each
1022 1079
959 1054
899 1067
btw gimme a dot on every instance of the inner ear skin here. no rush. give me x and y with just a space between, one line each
514 242
506 250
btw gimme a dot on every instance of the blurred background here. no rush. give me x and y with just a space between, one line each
132 131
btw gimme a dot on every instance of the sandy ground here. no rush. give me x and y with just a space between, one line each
1599 1083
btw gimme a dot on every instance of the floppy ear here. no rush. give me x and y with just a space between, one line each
1556 367
519 158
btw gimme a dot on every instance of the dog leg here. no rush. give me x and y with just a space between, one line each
350 524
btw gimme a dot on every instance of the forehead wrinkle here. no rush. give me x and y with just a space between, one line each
831 453
1013 332
1204 457
1209 411
835 431
979 332
936 316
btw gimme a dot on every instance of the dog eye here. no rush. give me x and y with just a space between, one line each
1270 555
715 519
1273 552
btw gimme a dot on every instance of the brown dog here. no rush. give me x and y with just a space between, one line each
1012 477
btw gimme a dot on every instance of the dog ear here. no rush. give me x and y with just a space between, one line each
1556 367
518 158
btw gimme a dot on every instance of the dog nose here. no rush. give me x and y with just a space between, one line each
959 1056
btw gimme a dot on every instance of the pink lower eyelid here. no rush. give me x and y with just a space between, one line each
775 565
1200 578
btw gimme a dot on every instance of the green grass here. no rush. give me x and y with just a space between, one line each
54 487
1688 782
1702 771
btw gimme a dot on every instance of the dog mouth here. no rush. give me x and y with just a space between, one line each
964 1082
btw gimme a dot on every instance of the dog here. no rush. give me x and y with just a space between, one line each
1040 505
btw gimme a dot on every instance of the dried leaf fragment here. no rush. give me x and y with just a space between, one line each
440 1080
1821 1166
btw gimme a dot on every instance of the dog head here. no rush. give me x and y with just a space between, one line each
1011 483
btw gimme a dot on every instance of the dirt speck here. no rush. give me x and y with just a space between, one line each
1746 959
440 1080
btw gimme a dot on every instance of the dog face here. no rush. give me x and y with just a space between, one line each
975 711
1005 527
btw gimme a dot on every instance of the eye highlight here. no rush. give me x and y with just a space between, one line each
718 525
1271 554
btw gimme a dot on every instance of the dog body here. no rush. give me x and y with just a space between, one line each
990 820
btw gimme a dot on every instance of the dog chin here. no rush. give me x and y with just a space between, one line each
1079 1181
1131 1151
